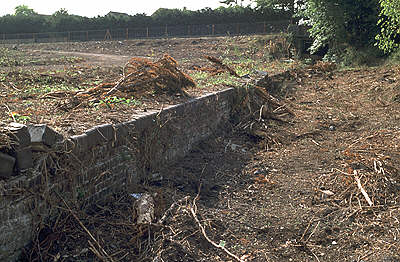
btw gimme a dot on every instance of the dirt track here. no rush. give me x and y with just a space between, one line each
94 59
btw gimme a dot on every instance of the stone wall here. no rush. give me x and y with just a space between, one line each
44 169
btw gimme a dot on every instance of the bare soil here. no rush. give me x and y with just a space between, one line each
46 74
288 193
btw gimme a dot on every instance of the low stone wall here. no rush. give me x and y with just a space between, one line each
44 170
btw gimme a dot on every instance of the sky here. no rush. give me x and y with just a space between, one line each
92 8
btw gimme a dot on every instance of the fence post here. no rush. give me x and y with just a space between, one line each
147 32
188 29
166 30
127 33
237 29
69 36
87 35
108 35
265 28
213 29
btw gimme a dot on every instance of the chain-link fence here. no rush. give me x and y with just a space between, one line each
148 32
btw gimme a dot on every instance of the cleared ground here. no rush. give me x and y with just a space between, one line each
50 74
281 186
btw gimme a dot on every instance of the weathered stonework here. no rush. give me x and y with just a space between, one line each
7 165
43 134
91 166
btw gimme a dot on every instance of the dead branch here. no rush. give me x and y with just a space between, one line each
221 65
203 231
10 112
58 94
312 233
169 210
118 84
101 253
362 189
11 85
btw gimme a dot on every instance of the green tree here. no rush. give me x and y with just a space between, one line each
389 22
61 20
342 23
232 2
167 16
61 12
290 6
23 10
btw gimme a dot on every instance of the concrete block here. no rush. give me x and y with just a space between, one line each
106 131
24 158
43 134
121 132
175 109
100 135
145 121
19 133
80 142
94 137
6 165
226 95
64 146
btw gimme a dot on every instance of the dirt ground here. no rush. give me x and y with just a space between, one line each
315 178
51 74
295 197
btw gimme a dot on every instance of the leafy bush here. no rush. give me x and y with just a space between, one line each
389 36
361 56
395 56
341 24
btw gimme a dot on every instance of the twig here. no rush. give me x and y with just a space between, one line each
305 231
161 109
362 189
12 86
312 233
226 147
315 256
362 138
315 142
378 167
341 172
97 253
203 231
118 84
169 210
9 111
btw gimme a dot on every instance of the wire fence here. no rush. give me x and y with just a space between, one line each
148 32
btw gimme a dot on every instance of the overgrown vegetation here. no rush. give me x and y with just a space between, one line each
388 39
354 31
345 26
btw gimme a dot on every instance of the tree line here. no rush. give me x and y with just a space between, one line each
26 20
345 27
